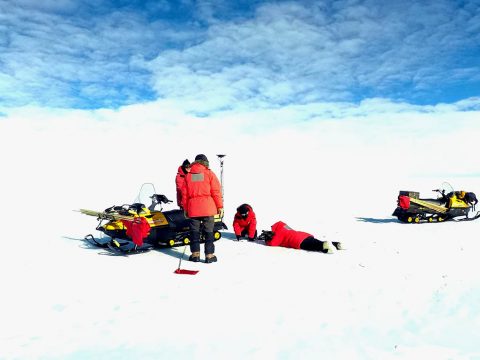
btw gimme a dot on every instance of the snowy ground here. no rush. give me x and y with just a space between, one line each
398 292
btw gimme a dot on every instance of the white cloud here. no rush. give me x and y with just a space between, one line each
287 53
270 55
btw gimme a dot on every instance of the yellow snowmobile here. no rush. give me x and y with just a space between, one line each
449 205
166 228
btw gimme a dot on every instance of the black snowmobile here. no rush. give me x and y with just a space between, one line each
166 228
449 205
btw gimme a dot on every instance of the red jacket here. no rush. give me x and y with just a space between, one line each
250 223
137 229
179 181
202 193
285 236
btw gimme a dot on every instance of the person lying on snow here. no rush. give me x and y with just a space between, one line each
245 223
284 236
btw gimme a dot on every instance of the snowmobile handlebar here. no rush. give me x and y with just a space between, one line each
160 199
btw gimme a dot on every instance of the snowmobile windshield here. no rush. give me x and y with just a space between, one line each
446 188
145 194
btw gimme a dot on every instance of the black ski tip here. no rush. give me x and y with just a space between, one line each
102 243
128 248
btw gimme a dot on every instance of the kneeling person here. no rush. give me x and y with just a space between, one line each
245 222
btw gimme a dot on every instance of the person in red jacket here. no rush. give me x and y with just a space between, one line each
201 201
183 170
283 235
245 222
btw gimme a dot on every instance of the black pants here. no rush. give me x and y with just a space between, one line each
312 244
199 225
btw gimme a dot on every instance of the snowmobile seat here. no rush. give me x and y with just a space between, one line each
176 219
435 201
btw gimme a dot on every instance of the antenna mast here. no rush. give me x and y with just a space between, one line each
220 158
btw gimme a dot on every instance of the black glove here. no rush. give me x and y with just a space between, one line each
266 235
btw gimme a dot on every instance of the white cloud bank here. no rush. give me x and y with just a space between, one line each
214 59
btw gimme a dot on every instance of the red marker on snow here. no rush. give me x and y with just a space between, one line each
184 271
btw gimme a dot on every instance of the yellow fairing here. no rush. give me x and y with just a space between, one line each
455 202
114 225
157 219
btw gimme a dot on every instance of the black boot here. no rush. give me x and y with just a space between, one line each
338 245
195 257
210 258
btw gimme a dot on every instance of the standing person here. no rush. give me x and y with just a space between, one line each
283 235
201 201
245 222
183 170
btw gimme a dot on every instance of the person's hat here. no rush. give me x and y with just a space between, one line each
186 163
201 157
243 210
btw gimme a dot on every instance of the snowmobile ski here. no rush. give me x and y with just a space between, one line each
102 242
125 247
477 215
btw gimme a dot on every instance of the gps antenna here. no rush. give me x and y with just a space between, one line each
220 158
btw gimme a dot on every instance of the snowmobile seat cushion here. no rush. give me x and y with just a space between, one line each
176 218
404 202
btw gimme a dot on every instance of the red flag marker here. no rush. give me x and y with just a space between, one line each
184 271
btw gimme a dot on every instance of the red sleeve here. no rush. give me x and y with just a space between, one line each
237 229
179 180
184 192
253 225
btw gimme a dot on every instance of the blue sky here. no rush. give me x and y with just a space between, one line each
212 56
